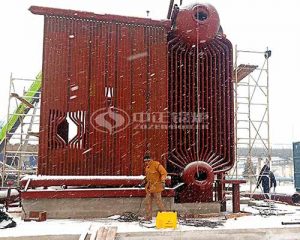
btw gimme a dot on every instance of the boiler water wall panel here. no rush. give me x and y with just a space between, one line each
201 99
104 93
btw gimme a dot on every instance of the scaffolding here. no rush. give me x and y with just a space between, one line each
252 120
19 136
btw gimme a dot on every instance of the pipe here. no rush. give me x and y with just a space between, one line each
170 9
199 174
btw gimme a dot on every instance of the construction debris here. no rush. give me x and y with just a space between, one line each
236 215
23 100
104 233
38 216
201 223
290 223
128 217
268 208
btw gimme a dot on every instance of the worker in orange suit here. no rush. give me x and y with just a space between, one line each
155 177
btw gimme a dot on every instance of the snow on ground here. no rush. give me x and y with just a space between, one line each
49 227
285 188
4 193
77 226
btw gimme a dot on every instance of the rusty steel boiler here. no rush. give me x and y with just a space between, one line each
130 86
201 140
103 73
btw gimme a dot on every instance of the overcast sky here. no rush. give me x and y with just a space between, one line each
252 24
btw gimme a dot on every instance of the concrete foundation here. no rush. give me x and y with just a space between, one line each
46 237
224 234
90 207
195 209
104 207
291 233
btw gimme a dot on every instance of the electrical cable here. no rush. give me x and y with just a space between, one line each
131 216
134 217
200 223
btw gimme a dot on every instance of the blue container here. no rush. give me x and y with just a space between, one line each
296 159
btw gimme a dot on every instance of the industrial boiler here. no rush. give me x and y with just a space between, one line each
116 88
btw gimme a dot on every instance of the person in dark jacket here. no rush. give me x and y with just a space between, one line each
266 179
272 180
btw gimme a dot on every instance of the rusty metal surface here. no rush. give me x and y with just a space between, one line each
90 193
285 198
235 198
95 67
200 86
90 16
209 95
174 95
84 181
197 23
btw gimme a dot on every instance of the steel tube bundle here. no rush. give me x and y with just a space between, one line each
201 137
100 73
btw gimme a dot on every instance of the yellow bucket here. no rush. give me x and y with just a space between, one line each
166 220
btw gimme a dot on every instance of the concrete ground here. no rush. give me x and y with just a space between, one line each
234 234
255 227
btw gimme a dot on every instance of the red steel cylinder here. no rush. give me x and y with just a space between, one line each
198 173
197 23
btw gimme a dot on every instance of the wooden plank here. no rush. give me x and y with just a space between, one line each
101 233
94 232
236 215
84 233
28 104
111 233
